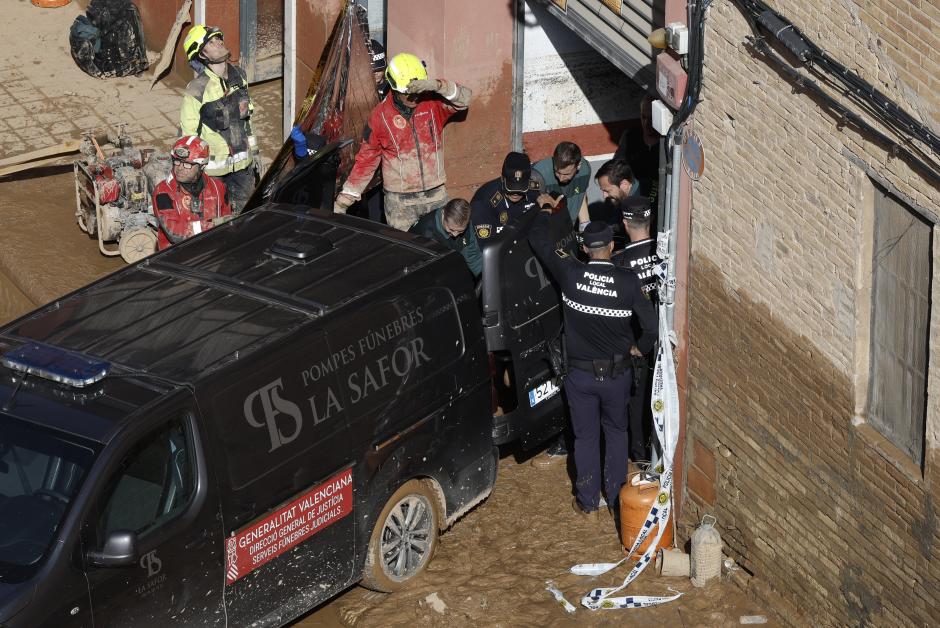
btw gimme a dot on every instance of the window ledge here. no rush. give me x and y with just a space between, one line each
890 452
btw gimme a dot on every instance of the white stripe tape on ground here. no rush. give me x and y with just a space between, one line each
665 405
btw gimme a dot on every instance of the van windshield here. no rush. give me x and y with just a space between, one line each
40 474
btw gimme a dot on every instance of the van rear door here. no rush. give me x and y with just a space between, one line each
521 314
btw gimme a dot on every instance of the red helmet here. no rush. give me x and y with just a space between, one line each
192 149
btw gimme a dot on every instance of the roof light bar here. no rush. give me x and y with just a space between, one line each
55 364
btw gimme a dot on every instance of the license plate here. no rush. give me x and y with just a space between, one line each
545 390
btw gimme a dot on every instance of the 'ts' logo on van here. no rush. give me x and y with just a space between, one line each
151 563
534 270
273 406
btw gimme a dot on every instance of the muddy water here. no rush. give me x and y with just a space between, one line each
490 570
43 252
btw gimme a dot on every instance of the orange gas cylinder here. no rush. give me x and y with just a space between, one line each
636 497
50 4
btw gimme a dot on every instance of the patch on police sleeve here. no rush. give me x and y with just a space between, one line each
483 231
496 199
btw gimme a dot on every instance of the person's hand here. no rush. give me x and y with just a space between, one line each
636 352
417 86
342 203
546 199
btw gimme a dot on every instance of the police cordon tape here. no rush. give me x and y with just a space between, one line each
665 405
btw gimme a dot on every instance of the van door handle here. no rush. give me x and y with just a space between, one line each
198 540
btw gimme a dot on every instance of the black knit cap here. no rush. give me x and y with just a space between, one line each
597 234
517 170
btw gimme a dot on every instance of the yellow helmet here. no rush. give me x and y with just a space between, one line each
197 37
404 68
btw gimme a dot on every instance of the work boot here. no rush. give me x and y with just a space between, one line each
555 454
558 449
588 515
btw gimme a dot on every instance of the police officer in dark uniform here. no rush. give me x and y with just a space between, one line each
500 201
640 257
640 254
450 225
379 65
599 302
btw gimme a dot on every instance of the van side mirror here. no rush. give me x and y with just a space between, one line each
120 550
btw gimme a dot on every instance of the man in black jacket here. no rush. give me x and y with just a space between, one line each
599 302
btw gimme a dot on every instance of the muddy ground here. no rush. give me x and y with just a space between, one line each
491 567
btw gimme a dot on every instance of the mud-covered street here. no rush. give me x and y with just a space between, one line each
491 567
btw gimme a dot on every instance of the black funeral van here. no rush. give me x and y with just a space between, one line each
233 430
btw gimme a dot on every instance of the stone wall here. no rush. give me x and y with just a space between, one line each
834 522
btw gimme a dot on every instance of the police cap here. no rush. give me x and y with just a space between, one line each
636 208
379 61
597 234
517 170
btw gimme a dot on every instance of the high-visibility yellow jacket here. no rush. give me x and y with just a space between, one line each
219 111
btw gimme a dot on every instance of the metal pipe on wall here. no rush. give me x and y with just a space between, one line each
518 74
672 220
289 88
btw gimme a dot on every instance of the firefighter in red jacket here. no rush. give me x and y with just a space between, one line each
188 201
405 134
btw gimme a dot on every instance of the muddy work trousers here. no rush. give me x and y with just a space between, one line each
403 209
239 185
596 406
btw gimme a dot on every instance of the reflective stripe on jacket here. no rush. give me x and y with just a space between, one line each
211 110
411 151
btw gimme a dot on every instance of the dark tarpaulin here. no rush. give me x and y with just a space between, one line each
337 105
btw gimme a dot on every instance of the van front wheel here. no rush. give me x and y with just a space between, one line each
404 538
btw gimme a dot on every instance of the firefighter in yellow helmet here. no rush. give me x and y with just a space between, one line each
404 135
217 108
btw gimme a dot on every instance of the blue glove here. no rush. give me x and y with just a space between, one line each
300 142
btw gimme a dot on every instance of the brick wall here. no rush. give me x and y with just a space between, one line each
829 517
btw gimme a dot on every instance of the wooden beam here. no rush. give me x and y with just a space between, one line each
166 57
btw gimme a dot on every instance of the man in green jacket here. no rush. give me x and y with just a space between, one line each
567 173
448 225
216 107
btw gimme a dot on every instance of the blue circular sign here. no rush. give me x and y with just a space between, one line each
693 156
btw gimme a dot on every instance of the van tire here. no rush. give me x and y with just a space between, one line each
403 558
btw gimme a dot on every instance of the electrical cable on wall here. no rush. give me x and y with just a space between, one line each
762 19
